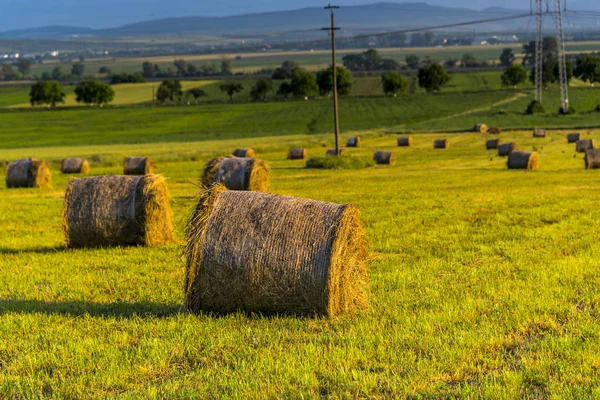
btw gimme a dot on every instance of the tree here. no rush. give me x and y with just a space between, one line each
104 70
372 59
469 60
535 107
49 93
231 88
354 62
303 83
58 74
150 70
94 92
429 38
226 67
433 78
196 93
10 74
547 74
556 71
588 69
78 69
450 63
285 89
549 51
261 88
286 70
388 64
182 67
393 83
507 57
418 40
513 76
344 81
24 66
169 90
125 77
412 60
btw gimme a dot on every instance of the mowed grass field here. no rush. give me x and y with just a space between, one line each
484 282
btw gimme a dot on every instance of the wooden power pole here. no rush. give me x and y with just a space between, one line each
336 114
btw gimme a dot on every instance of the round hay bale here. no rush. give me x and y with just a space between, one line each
353 142
117 211
495 130
28 173
244 153
592 159
539 133
584 145
492 144
480 128
295 256
405 141
138 166
573 137
331 152
384 158
297 153
237 174
441 144
523 160
74 166
505 149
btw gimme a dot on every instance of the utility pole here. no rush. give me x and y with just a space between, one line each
336 114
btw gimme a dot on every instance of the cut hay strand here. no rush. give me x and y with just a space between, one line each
297 153
492 144
505 149
539 133
523 160
28 173
331 152
441 144
405 141
495 130
237 173
75 166
384 158
584 145
295 256
244 153
573 137
480 128
117 211
353 142
592 159
138 166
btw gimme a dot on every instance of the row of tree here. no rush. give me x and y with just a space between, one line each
51 93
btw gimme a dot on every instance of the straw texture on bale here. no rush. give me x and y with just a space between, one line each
584 145
74 166
269 254
331 152
138 166
117 211
405 141
523 160
237 173
492 144
244 153
505 149
539 133
441 144
592 159
481 128
28 173
384 158
353 142
297 153
573 137
495 130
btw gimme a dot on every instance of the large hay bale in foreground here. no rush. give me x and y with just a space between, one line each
592 159
331 152
263 253
523 160
584 145
297 153
505 149
495 130
539 133
441 144
384 158
117 211
28 173
138 166
492 144
353 142
74 166
481 128
237 173
573 137
405 141
244 153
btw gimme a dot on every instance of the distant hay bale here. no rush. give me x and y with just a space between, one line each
405 141
584 145
331 152
117 211
237 173
295 256
573 137
384 158
495 130
138 166
297 153
539 133
28 173
441 144
592 159
480 128
75 166
523 160
244 153
505 149
492 144
353 142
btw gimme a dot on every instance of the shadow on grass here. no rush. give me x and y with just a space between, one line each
33 250
80 308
